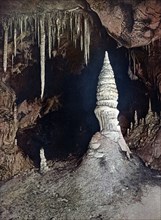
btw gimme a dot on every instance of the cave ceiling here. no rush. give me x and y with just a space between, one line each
131 23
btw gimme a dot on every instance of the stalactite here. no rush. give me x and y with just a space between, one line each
81 41
130 73
21 31
15 116
25 23
15 40
49 36
75 42
134 61
5 48
10 29
42 54
58 25
30 24
53 32
64 21
38 32
74 27
32 28
78 25
12 62
35 26
86 40
149 49
71 25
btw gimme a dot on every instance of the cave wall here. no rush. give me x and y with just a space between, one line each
63 121
131 23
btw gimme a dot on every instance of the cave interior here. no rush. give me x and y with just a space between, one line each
55 107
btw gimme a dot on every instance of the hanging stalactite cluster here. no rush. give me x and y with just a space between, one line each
46 31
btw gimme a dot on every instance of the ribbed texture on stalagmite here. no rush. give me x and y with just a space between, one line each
42 55
106 110
43 164
107 96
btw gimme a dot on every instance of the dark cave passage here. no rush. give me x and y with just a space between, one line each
66 121
134 94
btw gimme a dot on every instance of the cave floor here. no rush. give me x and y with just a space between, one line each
103 186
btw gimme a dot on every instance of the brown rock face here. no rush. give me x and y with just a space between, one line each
131 23
12 160
39 6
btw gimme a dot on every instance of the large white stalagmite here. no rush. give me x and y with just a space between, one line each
5 48
42 55
106 110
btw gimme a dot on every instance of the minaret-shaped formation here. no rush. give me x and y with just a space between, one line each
106 110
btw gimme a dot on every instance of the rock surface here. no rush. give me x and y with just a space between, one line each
131 23
104 186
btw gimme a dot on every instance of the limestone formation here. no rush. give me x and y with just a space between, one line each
106 110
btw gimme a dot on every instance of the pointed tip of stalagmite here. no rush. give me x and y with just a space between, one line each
107 57
106 53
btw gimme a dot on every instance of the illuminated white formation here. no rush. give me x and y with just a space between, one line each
106 110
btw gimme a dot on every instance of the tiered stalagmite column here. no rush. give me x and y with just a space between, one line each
106 110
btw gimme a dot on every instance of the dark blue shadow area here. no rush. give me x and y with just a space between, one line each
133 95
69 129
